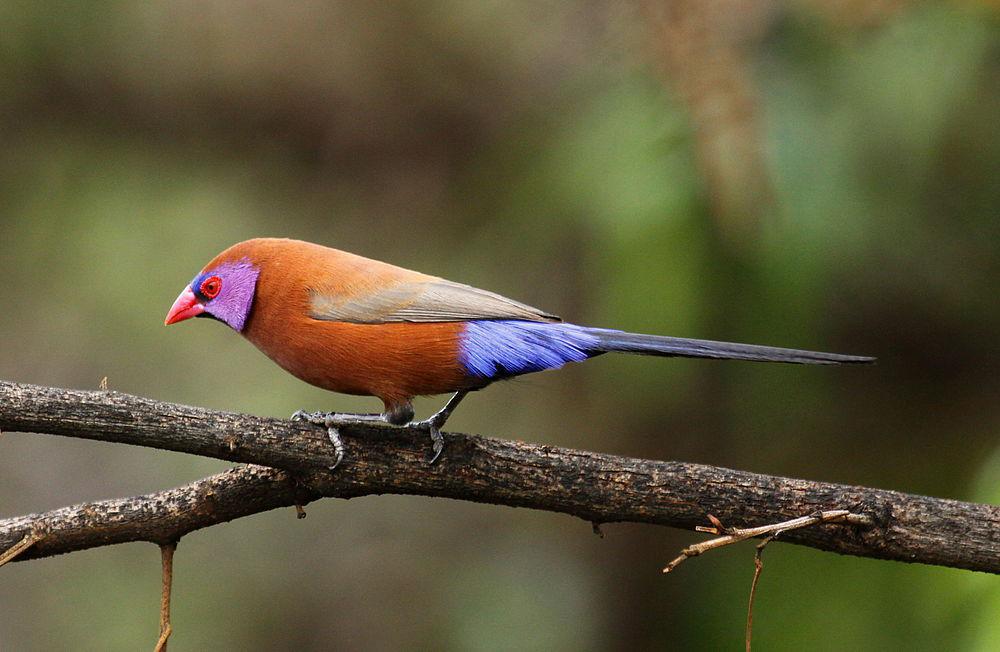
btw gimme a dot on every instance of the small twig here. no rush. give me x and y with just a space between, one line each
167 562
29 540
758 566
735 535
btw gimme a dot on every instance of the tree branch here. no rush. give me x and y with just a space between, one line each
382 459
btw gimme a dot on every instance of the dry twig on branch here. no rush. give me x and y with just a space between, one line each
167 563
381 459
728 536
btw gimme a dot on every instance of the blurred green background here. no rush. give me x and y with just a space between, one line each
808 174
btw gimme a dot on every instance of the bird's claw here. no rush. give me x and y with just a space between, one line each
315 418
437 445
338 446
328 421
437 439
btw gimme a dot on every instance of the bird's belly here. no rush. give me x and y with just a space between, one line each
394 361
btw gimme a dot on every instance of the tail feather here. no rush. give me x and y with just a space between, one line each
622 342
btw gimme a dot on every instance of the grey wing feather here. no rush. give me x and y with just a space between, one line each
426 301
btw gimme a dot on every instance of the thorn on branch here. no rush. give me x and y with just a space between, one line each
29 540
716 526
303 494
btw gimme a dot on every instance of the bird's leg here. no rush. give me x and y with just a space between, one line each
331 421
436 421
342 418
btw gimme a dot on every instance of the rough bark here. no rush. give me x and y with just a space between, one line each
382 459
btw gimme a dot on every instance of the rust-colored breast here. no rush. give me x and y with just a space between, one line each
392 361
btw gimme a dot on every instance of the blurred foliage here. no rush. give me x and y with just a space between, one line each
815 175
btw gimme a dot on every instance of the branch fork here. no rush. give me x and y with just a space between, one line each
286 466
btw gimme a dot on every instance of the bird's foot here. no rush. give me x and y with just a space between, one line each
436 421
433 428
332 421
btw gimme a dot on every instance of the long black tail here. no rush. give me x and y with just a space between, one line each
609 340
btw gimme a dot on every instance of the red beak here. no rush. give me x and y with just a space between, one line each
186 307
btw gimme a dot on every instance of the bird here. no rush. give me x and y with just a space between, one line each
355 325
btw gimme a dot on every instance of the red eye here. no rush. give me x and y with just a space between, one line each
210 286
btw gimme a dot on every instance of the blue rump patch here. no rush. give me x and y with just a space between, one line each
502 348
